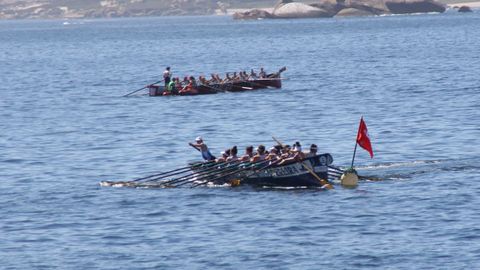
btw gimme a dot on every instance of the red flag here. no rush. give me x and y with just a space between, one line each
362 137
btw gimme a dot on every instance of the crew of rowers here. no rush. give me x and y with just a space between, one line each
189 83
278 154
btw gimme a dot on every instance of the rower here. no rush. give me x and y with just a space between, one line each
286 155
223 157
286 152
170 89
193 82
203 80
233 154
277 74
313 151
213 79
262 73
203 148
260 154
243 75
185 80
178 84
248 154
190 88
297 147
253 75
166 76
297 150
272 156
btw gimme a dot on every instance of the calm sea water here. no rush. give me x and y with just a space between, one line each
65 127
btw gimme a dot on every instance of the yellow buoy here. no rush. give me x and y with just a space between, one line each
235 182
349 179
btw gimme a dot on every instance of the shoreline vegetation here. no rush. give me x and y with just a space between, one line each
239 9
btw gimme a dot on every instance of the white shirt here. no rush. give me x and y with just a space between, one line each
166 74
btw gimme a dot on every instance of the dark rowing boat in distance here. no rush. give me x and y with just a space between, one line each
272 80
305 173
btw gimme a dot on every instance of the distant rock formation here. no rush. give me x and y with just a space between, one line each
46 9
348 12
32 9
298 10
414 6
252 14
464 9
342 8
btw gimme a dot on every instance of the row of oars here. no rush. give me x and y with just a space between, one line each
196 175
247 166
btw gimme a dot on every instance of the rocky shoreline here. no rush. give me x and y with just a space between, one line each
54 9
342 8
68 9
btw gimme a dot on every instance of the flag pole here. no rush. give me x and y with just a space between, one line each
354 152
356 142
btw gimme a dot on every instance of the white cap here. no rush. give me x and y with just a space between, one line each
198 139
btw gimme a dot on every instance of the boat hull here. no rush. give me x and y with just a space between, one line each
289 175
271 81
155 90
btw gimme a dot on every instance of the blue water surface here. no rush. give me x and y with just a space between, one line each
65 127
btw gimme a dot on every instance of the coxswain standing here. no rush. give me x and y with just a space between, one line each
167 75
203 148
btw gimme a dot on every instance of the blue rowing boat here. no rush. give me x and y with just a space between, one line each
306 173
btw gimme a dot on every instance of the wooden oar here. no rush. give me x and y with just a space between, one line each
126 95
210 167
215 175
218 175
153 177
170 173
249 166
202 173
164 174
207 175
